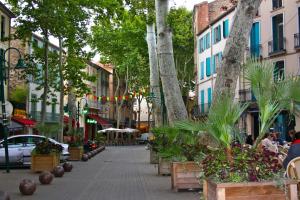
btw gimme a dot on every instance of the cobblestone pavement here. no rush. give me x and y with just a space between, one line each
118 173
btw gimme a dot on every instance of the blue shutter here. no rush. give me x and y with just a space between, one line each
209 97
208 40
208 71
213 60
199 46
213 36
204 42
219 33
202 71
202 101
225 28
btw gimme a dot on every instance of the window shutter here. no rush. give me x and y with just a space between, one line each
213 60
204 42
225 28
209 96
202 71
208 71
202 101
208 40
213 36
219 33
199 46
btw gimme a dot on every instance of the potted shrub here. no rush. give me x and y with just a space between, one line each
45 156
235 171
182 150
75 146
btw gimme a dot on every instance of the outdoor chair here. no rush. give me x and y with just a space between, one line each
293 169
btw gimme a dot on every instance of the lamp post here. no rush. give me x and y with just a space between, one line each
85 109
20 65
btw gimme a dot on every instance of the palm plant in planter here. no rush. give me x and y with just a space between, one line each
45 156
75 145
234 171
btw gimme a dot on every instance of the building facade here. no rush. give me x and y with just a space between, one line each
274 36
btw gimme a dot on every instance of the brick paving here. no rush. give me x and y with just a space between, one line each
118 173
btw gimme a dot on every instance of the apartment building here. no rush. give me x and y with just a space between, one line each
274 36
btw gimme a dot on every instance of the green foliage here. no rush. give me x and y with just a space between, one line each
100 139
19 94
248 165
76 138
181 23
47 147
48 130
272 96
177 145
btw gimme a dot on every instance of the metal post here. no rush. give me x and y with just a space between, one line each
78 113
2 99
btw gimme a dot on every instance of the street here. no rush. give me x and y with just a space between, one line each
118 173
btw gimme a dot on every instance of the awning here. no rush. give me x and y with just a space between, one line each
13 126
104 123
24 121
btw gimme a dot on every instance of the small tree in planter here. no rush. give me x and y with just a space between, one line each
233 171
75 145
45 156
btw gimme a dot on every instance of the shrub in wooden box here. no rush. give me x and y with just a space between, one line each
75 153
164 166
185 175
248 190
44 162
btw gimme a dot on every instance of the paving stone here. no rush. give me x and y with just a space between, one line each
118 173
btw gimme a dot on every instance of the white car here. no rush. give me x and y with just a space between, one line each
22 145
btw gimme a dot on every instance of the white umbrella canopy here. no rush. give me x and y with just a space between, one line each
130 130
109 129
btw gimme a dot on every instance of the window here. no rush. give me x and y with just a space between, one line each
278 37
3 27
217 34
209 96
202 71
208 73
225 28
201 46
277 4
279 70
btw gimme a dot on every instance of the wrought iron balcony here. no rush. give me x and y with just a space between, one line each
277 47
246 95
50 117
297 41
201 110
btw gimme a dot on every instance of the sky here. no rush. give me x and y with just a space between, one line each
189 4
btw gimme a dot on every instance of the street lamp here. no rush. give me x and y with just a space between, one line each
85 109
20 65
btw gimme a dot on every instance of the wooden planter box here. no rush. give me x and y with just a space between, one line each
250 190
164 167
75 153
153 157
41 162
184 175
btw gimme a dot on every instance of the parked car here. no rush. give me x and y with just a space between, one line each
145 137
24 144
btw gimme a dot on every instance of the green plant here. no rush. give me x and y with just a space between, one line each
177 145
19 94
49 130
76 138
47 147
100 138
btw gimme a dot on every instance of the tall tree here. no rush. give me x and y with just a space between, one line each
173 100
233 54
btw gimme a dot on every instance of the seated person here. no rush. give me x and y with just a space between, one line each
269 143
294 150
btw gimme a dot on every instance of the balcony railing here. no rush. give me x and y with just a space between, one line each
201 110
297 41
277 47
246 95
50 117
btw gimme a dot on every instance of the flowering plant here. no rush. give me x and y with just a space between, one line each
248 165
47 147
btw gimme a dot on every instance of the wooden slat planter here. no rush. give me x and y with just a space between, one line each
75 153
41 162
153 157
164 167
184 175
246 191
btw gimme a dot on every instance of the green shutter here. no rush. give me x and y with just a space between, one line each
208 71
